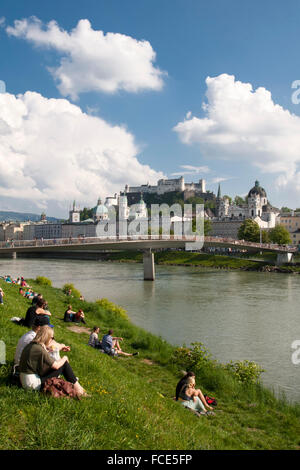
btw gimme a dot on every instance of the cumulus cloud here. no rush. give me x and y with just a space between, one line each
92 60
242 124
51 152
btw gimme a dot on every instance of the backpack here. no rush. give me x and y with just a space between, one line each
210 400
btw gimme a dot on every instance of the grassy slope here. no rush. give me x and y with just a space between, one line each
131 405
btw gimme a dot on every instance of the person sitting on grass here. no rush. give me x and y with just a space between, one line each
191 398
110 345
93 339
41 307
79 317
21 291
36 365
69 314
1 296
30 335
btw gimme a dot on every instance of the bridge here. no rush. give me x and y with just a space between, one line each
145 243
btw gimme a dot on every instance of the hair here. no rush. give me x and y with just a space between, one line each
69 307
190 381
40 303
110 332
95 328
44 335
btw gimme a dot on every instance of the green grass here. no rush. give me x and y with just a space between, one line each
185 258
131 406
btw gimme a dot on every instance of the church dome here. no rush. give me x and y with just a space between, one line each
257 190
100 210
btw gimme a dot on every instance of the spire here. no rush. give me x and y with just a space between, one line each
219 192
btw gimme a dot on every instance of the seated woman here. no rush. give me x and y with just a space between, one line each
79 316
36 365
93 339
69 314
41 306
189 397
21 291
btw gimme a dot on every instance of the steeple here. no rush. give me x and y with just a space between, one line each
219 192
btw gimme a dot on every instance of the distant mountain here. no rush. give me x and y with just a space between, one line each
23 217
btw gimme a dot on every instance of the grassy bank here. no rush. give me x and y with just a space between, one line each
264 262
131 405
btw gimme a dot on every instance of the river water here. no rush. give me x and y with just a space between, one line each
237 315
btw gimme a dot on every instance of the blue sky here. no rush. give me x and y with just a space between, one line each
254 41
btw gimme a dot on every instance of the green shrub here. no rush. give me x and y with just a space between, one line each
43 281
75 292
113 308
193 359
247 372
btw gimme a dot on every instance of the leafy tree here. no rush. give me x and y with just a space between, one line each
285 209
238 200
86 213
228 197
249 230
265 236
207 226
280 235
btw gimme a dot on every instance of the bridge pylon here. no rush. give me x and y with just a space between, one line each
149 266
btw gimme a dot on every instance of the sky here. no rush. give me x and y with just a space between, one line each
102 93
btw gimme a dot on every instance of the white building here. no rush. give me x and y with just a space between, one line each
168 185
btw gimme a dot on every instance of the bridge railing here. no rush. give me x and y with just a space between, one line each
9 244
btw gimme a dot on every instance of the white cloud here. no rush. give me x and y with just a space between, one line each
191 170
245 125
51 153
92 60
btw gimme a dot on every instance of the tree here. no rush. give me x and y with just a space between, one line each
285 209
280 235
239 201
206 226
249 230
229 198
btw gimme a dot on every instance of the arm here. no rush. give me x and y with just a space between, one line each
61 346
57 364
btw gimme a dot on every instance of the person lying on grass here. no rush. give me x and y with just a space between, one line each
36 365
110 345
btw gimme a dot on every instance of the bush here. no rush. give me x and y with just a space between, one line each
43 281
112 308
193 359
75 292
247 372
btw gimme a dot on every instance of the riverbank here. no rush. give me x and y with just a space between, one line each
131 405
205 260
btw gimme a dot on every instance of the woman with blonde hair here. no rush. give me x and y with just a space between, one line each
36 365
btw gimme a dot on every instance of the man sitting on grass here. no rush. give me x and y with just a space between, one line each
110 345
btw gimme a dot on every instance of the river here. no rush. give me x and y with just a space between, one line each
237 315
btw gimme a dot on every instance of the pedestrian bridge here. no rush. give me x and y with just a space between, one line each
145 243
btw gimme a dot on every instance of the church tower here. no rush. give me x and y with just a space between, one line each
74 214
